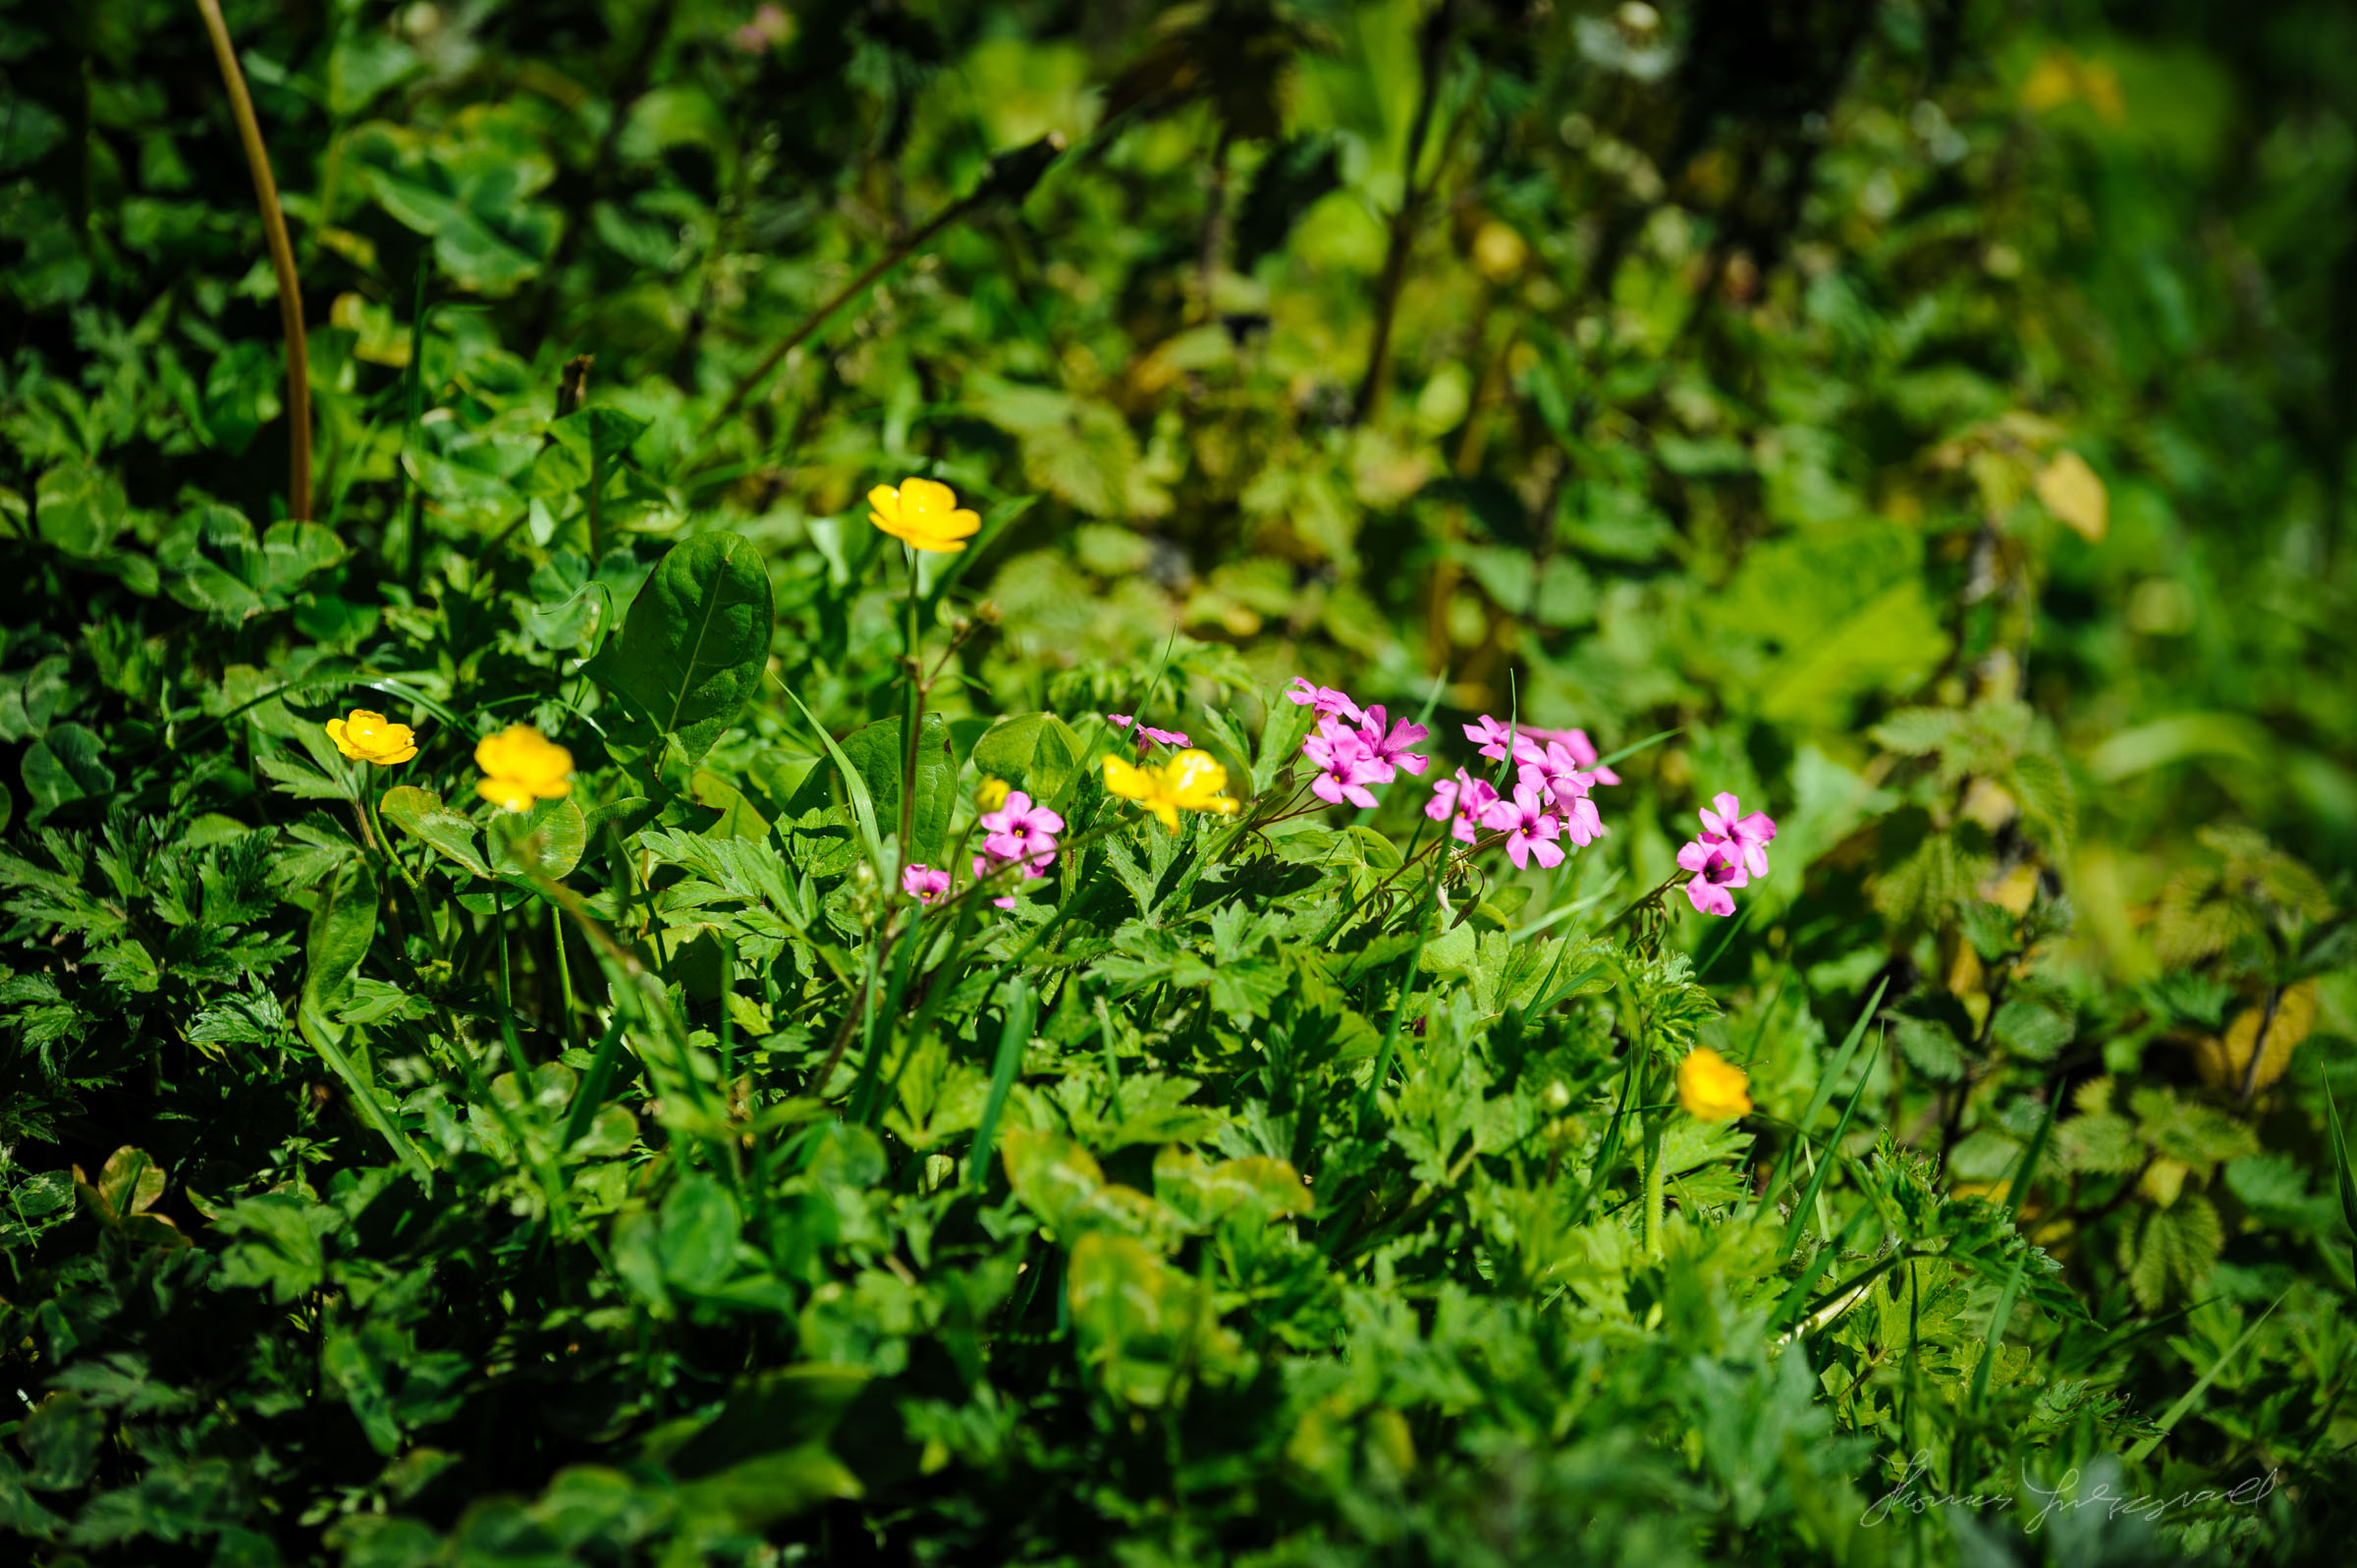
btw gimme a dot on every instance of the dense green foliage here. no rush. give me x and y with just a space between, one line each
1930 419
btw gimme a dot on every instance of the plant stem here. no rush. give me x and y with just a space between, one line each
1404 220
413 504
850 291
912 710
282 261
1656 1124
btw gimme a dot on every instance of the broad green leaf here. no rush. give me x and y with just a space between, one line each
343 925
66 765
696 641
757 1492
1036 752
422 815
875 751
80 509
544 841
697 1238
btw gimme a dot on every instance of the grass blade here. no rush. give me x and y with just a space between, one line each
1016 1035
2340 1165
1819 1100
2030 1157
863 809
2192 1396
1996 1330
1808 1196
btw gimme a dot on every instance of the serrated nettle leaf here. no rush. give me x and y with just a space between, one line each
696 641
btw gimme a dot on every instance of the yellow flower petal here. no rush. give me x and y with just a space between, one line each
521 757
509 794
366 736
1711 1088
924 515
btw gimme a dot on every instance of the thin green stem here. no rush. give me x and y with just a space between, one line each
912 710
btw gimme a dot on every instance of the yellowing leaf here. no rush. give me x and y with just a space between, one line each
2226 1062
2074 493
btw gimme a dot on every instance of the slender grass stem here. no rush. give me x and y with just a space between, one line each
282 262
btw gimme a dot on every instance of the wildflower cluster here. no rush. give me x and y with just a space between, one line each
1730 850
519 764
1554 773
1016 832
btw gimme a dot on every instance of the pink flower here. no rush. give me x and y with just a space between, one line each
1391 751
1746 836
1020 830
1716 871
1463 797
1327 702
1147 733
1582 824
1529 828
1345 767
1494 738
922 883
1554 773
1582 749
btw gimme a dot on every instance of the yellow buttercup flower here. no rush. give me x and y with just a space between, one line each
366 736
991 794
1190 781
923 513
521 766
1713 1088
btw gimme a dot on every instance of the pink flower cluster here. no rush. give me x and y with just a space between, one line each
1554 772
1018 834
1353 747
1731 849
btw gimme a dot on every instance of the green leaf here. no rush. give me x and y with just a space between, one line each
757 1492
875 750
696 641
343 925
64 766
2193 1395
422 815
61 1439
1285 726
78 509
276 1245
293 552
864 808
544 841
1036 752
697 1241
